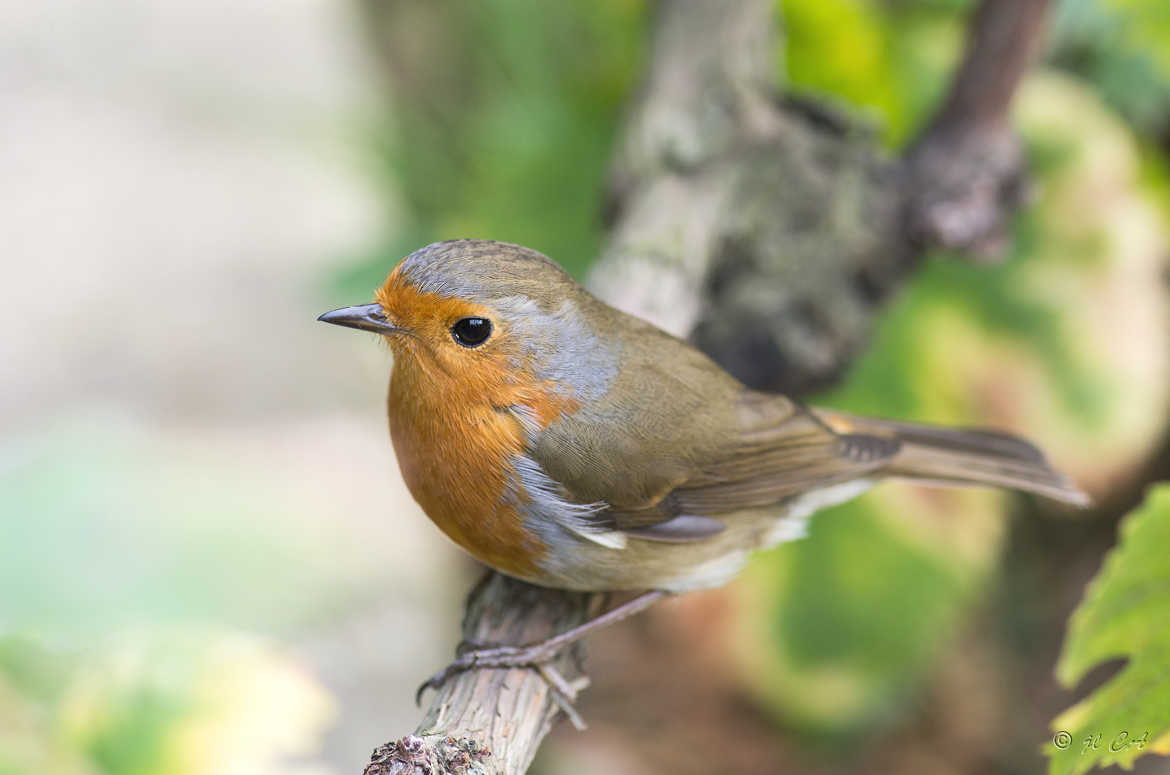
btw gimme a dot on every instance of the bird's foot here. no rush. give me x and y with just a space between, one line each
536 656
471 655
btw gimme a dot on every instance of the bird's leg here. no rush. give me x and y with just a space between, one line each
473 655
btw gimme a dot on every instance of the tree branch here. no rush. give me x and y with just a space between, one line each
771 232
775 239
966 169
485 722
1000 43
682 154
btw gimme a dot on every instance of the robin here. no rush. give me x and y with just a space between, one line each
570 445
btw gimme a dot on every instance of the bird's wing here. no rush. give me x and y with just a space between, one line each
781 451
676 443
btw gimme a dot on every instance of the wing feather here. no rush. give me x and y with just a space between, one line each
780 451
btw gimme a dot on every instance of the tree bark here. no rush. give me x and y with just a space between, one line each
770 231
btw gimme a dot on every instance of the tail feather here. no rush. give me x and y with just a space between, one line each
963 456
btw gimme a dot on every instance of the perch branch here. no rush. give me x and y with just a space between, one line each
485 722
770 231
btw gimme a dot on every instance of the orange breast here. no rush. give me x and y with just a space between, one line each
456 461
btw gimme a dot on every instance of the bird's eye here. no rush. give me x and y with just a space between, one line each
472 332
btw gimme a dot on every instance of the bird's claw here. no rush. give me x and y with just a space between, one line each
467 645
471 656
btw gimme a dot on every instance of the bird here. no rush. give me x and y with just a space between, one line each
571 445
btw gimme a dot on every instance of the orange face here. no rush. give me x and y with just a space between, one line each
460 412
427 341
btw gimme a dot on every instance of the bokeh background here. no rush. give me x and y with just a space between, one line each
208 562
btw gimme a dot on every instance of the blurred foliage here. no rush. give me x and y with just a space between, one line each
891 60
1123 615
496 132
857 612
1122 47
98 516
127 579
177 703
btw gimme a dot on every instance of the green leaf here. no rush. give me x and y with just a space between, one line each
1125 614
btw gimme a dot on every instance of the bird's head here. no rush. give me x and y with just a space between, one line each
485 319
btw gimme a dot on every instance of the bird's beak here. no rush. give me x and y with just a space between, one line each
367 317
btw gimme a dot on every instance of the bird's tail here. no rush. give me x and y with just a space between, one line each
963 456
